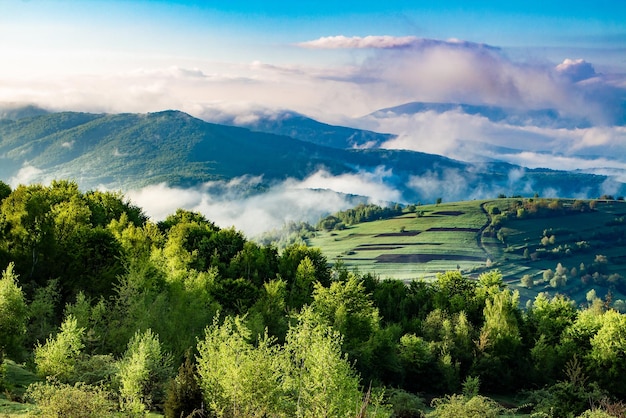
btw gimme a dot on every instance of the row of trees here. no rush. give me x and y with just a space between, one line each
256 332
358 214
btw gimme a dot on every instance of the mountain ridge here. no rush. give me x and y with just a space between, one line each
133 150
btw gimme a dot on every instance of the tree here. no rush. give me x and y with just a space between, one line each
454 406
13 314
291 258
455 293
5 190
319 378
499 342
184 397
548 275
59 355
143 372
608 348
347 308
527 281
238 379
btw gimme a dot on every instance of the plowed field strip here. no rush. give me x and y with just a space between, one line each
398 234
424 258
403 244
444 229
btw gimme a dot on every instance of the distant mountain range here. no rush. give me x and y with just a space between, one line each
126 151
300 127
547 118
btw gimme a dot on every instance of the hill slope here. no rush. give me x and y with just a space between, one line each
586 238
300 127
132 150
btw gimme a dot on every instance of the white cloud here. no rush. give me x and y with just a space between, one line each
383 42
230 203
576 70
372 184
25 175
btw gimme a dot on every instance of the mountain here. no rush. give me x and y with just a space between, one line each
126 151
15 111
512 116
300 127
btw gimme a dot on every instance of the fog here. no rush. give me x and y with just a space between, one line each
232 204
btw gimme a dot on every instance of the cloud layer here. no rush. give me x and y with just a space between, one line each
230 203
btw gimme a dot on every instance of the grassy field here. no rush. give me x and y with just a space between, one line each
456 236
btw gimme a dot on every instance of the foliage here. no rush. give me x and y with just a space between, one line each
59 355
143 373
308 337
59 400
184 397
358 214
567 397
307 377
320 381
13 314
454 406
236 378
43 312
405 404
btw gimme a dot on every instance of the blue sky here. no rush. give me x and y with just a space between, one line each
236 30
139 55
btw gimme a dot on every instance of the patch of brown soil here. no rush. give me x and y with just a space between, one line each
442 229
449 213
424 258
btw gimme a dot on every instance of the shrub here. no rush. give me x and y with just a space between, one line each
455 406
405 404
59 400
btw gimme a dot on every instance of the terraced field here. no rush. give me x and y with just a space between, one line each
590 246
440 238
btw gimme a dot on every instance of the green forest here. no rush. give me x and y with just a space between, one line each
104 313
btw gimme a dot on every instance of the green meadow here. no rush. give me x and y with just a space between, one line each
476 236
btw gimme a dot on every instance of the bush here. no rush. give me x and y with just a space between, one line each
59 400
455 406
565 398
405 404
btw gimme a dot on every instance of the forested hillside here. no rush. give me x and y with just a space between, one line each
111 314
126 151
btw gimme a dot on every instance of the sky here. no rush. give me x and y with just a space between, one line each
339 62
134 55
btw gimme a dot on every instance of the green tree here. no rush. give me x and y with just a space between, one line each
500 342
291 258
608 349
349 310
455 293
455 406
319 379
59 355
13 314
270 311
237 378
43 313
184 397
143 372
